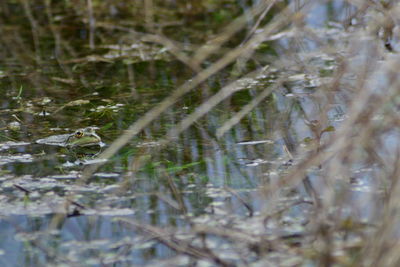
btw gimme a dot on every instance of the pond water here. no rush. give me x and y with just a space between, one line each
159 199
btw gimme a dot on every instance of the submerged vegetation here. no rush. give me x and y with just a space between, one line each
237 133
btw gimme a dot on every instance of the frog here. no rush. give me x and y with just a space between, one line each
85 137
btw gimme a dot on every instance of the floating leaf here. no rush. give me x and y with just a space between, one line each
330 128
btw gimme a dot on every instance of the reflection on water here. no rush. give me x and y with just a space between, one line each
208 179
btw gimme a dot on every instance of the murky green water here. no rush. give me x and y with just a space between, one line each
53 82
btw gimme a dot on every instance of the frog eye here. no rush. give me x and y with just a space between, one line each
78 134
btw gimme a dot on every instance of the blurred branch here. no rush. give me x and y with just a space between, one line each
281 20
213 45
92 24
34 29
176 244
246 109
222 94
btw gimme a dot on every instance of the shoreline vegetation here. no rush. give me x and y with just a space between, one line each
239 133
